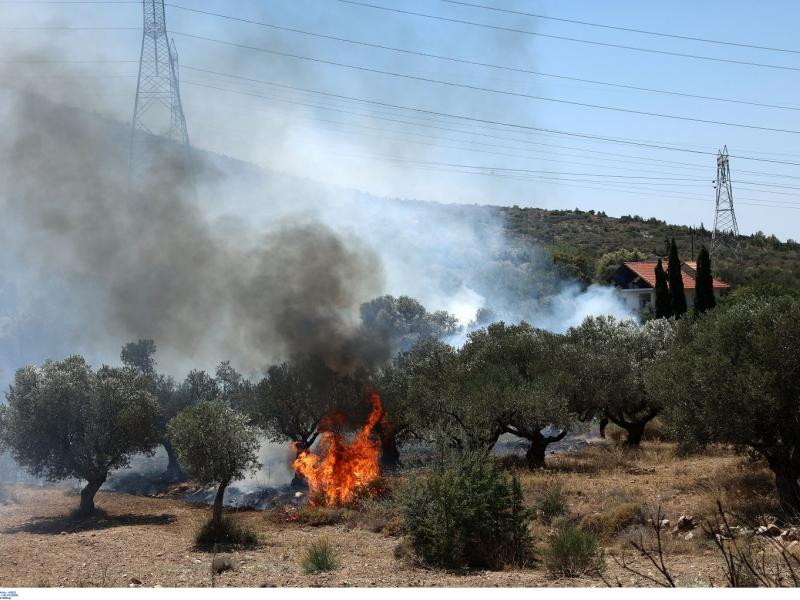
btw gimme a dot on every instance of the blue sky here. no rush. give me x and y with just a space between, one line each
397 152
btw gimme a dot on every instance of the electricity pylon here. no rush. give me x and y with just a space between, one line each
725 236
157 111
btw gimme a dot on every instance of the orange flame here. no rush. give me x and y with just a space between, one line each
340 468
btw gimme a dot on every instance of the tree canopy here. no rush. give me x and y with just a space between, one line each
216 445
65 420
605 364
733 378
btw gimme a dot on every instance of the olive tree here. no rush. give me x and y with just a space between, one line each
734 378
604 364
291 402
65 420
216 445
521 361
140 356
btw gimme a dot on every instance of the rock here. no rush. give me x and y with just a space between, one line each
689 536
220 564
773 530
298 494
790 535
685 523
136 581
665 523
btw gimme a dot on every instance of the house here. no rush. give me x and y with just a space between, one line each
636 281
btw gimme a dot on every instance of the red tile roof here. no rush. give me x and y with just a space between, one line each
647 271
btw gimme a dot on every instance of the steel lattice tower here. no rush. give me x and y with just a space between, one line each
726 230
157 111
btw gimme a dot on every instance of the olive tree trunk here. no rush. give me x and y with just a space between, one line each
174 471
88 492
788 487
299 481
390 453
216 513
534 456
635 432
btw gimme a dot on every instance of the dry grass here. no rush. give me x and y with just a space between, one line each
150 539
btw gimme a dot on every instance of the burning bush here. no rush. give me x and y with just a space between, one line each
341 470
469 514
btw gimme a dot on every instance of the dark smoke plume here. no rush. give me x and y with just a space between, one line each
149 263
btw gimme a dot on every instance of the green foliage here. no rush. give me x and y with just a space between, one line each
291 401
65 420
501 380
551 503
468 514
605 364
733 378
663 299
228 531
320 556
704 290
404 321
140 355
214 442
573 552
675 276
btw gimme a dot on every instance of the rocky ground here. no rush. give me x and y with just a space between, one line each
144 541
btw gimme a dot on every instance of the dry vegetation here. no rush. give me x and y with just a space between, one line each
148 541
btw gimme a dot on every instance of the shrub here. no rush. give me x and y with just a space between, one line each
320 556
572 552
613 520
551 503
469 514
317 516
228 531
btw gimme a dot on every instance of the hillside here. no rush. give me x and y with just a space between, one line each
582 238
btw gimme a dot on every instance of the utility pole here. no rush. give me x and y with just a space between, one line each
157 112
725 235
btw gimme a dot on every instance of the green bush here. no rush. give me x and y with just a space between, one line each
551 503
320 556
572 552
468 514
229 531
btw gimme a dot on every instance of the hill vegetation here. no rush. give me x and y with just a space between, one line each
581 239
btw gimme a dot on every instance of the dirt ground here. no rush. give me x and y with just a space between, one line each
148 541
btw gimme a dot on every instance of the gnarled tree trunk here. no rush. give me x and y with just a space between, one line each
635 432
390 453
603 425
174 471
299 481
88 493
534 456
216 513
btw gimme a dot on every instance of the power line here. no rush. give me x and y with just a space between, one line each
516 126
488 90
478 63
619 28
569 39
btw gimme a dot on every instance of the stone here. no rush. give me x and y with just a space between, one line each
298 494
685 523
689 536
773 530
665 523
220 564
790 535
136 581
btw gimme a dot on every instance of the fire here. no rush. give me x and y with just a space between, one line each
340 468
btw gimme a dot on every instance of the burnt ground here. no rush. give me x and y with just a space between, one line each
148 541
